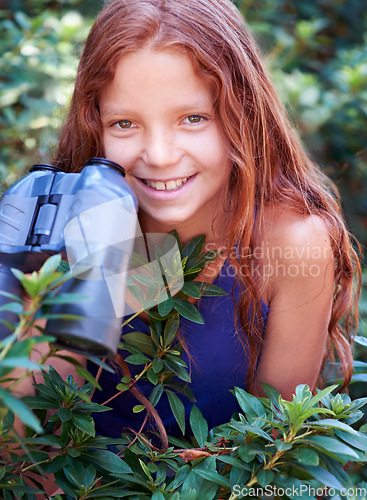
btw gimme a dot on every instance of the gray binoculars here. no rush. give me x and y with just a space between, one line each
90 218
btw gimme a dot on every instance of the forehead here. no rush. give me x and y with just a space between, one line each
164 74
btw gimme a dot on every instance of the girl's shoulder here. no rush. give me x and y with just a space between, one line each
280 224
289 247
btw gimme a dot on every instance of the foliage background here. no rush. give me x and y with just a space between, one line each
316 52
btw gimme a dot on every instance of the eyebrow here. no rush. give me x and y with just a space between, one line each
192 106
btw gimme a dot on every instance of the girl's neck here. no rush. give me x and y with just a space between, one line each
187 230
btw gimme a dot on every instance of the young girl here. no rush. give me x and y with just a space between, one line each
176 93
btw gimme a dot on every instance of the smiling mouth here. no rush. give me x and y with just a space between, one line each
166 186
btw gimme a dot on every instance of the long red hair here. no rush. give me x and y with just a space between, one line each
269 163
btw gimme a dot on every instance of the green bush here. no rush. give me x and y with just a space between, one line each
307 444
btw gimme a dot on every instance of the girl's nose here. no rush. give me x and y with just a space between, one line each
160 150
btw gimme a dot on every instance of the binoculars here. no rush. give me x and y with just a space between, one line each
90 218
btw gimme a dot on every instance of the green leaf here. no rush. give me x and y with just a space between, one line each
171 328
143 279
37 403
238 475
210 290
272 393
358 441
282 445
180 477
320 395
191 289
61 316
50 266
330 444
236 462
57 464
138 408
306 456
174 365
157 364
157 495
137 359
137 293
193 247
141 340
249 404
108 461
188 310
165 307
13 297
199 426
336 424
84 373
297 422
107 491
152 376
65 414
122 387
21 410
23 20
212 476
325 477
75 473
65 298
156 394
85 423
265 477
98 362
13 307
177 408
19 362
245 428
18 274
177 238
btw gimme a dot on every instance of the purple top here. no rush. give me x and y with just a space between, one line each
219 364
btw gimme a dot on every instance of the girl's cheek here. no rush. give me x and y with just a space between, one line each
122 152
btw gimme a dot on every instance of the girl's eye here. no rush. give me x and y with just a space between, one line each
193 119
124 124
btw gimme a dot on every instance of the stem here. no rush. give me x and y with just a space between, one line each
274 459
25 321
127 321
44 358
29 467
147 366
17 332
253 480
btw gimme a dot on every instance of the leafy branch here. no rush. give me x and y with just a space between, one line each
271 442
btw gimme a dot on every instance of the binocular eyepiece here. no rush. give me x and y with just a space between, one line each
90 218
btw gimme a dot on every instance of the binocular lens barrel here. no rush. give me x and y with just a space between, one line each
8 284
88 215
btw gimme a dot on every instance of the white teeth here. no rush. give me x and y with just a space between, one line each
171 185
160 186
166 186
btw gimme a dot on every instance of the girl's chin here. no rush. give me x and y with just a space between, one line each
152 222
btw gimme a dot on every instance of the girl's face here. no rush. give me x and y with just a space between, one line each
159 123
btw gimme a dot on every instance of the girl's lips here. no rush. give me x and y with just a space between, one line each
166 194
